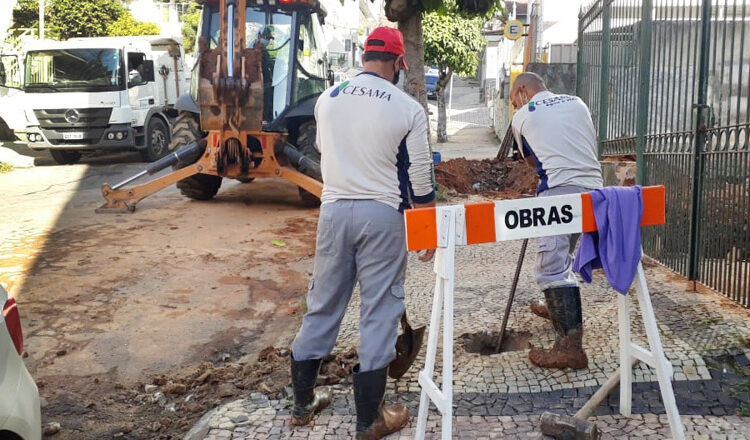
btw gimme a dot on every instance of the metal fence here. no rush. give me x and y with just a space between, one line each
669 82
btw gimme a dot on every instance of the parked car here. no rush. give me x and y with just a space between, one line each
339 77
430 81
20 409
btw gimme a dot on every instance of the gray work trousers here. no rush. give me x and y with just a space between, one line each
554 262
358 240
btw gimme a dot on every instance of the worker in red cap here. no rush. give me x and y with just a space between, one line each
376 162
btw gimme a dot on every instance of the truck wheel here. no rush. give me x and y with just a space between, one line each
65 157
306 145
6 134
186 129
157 140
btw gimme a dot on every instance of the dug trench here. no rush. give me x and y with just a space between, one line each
492 178
485 342
489 179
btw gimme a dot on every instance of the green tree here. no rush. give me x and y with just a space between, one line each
83 18
190 26
80 18
409 13
127 25
26 14
452 41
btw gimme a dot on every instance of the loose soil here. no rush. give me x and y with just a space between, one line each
491 177
136 325
167 405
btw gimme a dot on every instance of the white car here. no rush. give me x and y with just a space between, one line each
20 409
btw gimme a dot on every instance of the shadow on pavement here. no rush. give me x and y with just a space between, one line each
43 158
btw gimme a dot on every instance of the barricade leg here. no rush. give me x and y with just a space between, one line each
654 357
661 364
626 369
447 410
443 299
432 340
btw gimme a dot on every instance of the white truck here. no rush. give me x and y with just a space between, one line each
12 121
97 94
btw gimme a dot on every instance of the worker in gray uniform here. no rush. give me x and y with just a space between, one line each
376 162
556 137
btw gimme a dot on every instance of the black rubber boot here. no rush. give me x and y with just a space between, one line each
564 305
307 399
373 420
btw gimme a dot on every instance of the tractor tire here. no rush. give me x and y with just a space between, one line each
65 157
187 129
306 145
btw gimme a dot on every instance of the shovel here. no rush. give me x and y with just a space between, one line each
407 348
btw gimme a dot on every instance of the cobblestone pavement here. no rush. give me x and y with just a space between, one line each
705 336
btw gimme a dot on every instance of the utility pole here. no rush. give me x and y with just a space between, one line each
41 19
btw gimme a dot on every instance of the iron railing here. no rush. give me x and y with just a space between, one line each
669 82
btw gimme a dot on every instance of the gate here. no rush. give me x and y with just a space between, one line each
668 81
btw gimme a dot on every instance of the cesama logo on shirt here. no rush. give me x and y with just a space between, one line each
347 89
535 217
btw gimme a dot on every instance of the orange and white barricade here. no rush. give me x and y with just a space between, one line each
445 227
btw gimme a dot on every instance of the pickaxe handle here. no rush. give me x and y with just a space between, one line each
588 408
522 254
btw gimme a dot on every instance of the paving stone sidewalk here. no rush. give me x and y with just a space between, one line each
470 132
705 336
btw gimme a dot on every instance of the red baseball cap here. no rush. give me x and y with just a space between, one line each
388 40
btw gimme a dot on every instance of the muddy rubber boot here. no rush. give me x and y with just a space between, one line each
307 399
564 305
539 308
375 421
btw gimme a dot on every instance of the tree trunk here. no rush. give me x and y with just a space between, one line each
414 42
442 129
440 88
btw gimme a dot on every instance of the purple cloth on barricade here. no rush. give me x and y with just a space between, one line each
616 246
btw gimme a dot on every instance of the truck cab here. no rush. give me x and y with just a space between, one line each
97 94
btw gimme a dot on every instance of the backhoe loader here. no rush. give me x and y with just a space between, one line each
260 70
261 65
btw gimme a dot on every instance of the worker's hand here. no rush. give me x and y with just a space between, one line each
426 255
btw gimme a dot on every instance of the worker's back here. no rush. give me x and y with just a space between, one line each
367 131
557 132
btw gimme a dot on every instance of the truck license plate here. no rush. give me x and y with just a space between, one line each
72 136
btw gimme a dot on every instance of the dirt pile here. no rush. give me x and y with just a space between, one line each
208 385
168 406
337 368
487 176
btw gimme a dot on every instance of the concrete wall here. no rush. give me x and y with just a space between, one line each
560 77
501 116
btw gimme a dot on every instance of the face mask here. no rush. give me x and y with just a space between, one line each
396 77
526 98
